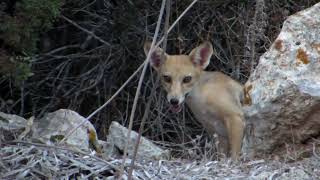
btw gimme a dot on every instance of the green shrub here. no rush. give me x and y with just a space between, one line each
20 31
31 17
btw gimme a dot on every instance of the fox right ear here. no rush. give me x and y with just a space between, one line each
155 58
200 56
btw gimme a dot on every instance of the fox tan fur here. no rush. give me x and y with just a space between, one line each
214 98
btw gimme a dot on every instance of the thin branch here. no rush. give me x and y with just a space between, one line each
135 102
62 148
85 30
145 116
176 21
105 104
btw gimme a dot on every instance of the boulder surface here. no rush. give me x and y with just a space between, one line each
147 150
283 93
54 126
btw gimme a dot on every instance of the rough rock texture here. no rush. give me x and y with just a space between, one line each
284 90
109 150
147 150
11 126
54 126
11 122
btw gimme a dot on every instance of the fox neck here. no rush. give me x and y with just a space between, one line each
198 83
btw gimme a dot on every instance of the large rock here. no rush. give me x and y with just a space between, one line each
11 122
147 150
11 126
284 90
54 126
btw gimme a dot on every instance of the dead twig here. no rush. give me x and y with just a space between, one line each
85 30
153 90
63 148
104 105
135 101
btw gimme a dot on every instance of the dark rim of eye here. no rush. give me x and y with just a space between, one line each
166 78
187 79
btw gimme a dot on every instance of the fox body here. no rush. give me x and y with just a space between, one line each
214 98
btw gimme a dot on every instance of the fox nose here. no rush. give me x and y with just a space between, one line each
174 101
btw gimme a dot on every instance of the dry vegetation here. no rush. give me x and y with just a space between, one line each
38 161
95 46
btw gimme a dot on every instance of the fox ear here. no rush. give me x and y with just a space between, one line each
200 56
155 58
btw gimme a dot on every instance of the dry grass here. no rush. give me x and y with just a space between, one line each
37 161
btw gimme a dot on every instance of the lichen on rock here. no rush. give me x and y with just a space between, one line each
285 90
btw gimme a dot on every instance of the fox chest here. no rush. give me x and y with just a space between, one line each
206 115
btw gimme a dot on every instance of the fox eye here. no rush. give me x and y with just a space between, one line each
187 79
166 79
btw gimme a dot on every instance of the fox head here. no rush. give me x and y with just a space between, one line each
179 73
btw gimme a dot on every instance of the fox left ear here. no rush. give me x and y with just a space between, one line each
200 56
155 59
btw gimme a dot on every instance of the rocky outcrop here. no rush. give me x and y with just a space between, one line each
54 126
284 90
147 150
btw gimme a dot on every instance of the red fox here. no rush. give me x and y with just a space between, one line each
214 98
